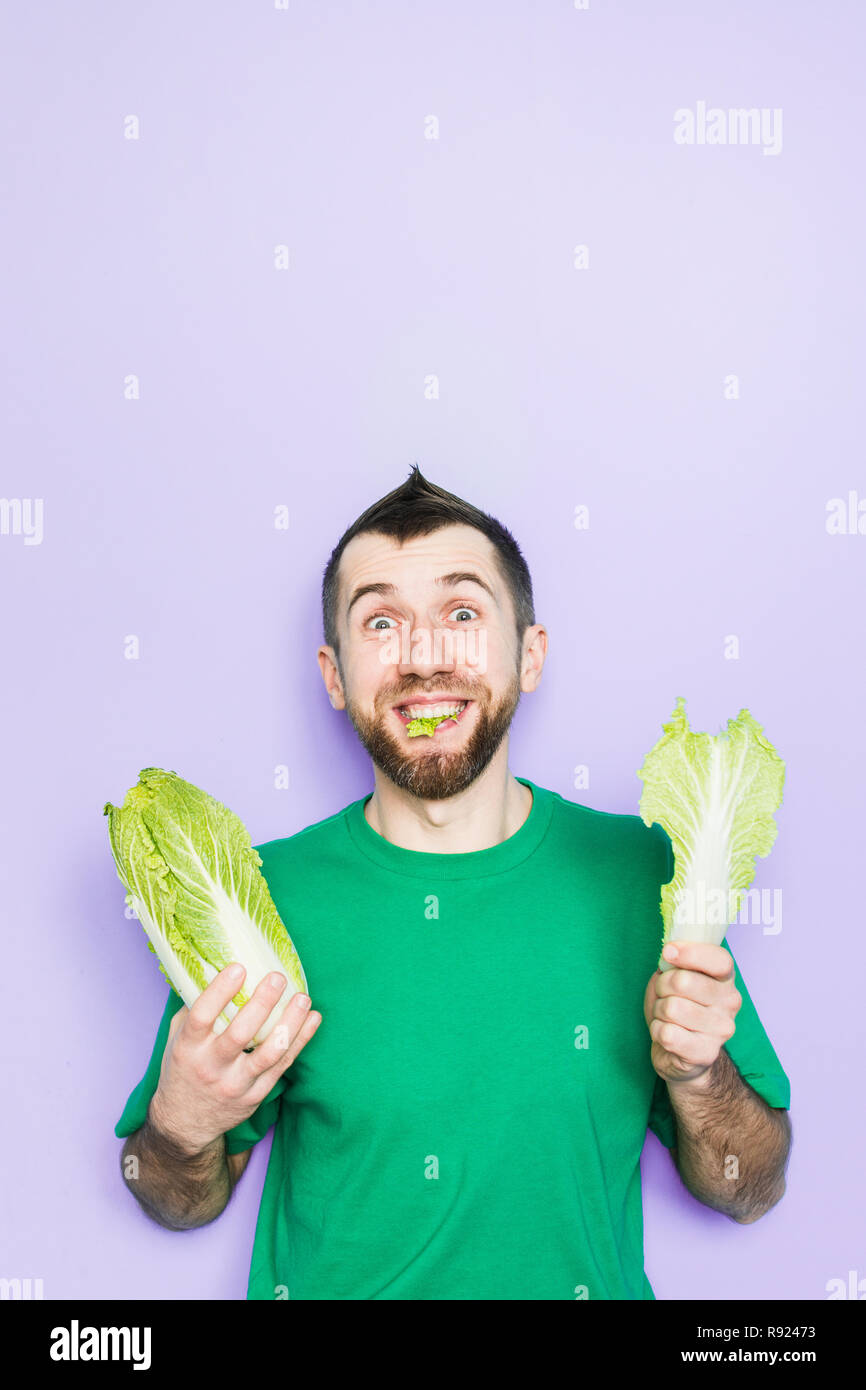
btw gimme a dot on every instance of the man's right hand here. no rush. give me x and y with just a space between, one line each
208 1084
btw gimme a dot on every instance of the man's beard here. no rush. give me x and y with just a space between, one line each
434 774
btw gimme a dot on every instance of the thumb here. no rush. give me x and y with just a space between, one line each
177 1021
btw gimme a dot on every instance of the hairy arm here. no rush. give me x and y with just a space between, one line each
176 1164
176 1186
732 1147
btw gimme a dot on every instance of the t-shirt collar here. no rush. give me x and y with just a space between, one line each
474 864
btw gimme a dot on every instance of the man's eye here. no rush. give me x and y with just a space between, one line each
377 618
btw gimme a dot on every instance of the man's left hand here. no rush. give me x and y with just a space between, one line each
690 1010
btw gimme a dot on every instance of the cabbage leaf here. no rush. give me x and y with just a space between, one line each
715 795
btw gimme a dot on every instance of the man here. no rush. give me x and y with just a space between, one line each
469 1120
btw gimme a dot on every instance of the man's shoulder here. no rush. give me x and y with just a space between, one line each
316 836
617 827
578 812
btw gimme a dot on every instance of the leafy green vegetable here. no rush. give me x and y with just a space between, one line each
426 725
715 796
196 885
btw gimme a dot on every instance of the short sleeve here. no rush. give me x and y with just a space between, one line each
752 1053
242 1137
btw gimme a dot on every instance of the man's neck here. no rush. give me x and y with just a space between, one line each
489 811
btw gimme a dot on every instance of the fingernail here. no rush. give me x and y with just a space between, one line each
303 1001
235 972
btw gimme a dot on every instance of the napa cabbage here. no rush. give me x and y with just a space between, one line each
715 795
195 883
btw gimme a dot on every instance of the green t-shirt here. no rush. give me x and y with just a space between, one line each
467 1122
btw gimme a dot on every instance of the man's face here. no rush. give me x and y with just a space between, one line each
475 658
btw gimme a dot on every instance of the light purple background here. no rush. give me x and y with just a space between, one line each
411 257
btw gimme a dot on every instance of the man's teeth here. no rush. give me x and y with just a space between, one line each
428 711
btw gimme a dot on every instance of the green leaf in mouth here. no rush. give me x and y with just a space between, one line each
427 725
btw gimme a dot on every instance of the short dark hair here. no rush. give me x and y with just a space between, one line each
417 508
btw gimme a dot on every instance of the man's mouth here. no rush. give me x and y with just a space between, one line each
426 718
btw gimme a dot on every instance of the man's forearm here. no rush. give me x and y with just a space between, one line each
731 1146
176 1189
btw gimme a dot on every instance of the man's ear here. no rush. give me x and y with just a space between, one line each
331 676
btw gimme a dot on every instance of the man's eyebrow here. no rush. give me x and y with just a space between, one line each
383 589
458 577
447 581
